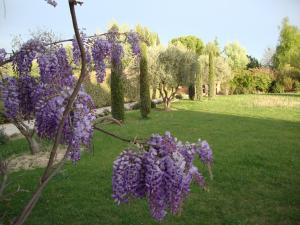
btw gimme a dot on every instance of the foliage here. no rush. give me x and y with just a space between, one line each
131 88
236 56
252 81
163 174
191 42
287 83
276 87
3 138
145 99
147 36
253 62
199 84
288 49
117 92
211 76
99 93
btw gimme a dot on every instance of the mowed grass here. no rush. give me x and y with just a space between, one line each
256 170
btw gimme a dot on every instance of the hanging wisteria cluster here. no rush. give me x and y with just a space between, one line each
101 49
45 98
163 173
18 97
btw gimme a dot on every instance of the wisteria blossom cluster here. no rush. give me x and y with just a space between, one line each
102 49
52 94
76 50
23 59
45 98
163 173
17 95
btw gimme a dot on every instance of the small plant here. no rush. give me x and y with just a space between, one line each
3 137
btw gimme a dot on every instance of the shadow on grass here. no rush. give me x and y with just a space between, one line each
256 172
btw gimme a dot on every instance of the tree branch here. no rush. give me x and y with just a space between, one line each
71 100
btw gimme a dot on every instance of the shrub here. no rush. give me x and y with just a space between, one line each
131 88
276 87
99 93
3 137
252 81
288 83
296 85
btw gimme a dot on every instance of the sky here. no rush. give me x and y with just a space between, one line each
253 23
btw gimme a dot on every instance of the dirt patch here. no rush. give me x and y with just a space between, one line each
29 162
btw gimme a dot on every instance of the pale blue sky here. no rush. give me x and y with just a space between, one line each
254 23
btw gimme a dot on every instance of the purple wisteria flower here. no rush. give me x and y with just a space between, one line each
162 174
134 40
205 152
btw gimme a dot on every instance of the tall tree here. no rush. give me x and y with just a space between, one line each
191 42
175 63
213 50
149 37
145 100
116 85
198 81
287 55
236 56
196 45
211 76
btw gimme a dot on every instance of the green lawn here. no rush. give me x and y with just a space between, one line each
256 144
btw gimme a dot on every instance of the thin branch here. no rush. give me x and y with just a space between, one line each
36 195
11 58
71 100
112 135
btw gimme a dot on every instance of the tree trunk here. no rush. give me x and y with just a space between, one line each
33 144
167 104
153 93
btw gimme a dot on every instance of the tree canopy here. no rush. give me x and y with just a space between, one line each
236 55
191 42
